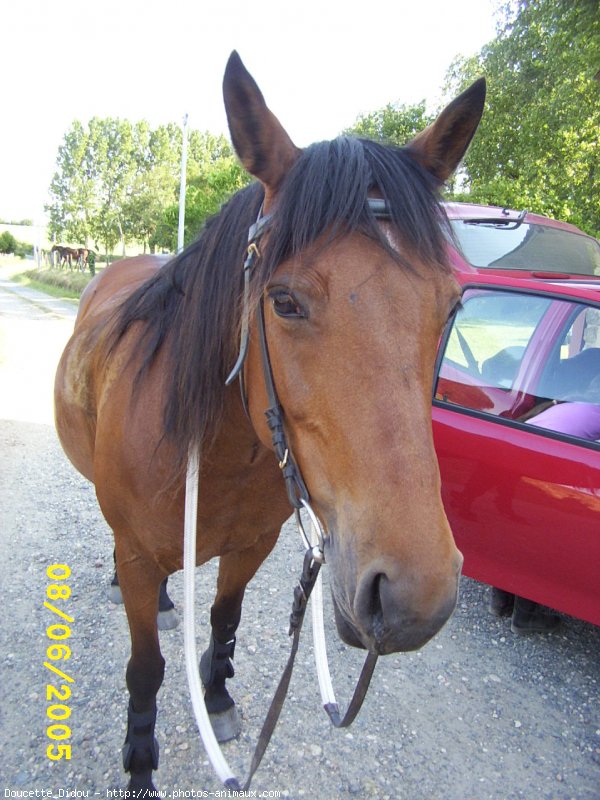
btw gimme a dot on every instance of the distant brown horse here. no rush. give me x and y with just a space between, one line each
61 253
66 255
350 278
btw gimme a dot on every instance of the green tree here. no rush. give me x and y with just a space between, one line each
8 243
72 188
119 182
155 183
151 193
213 175
96 172
537 146
116 165
397 124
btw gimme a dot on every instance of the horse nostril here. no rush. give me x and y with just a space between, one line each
375 607
369 605
393 614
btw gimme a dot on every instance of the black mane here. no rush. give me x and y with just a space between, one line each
327 190
192 306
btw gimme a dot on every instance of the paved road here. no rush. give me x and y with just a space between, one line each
34 328
478 714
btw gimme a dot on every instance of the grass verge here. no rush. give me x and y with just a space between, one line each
57 284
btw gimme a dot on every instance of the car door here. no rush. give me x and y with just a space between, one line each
516 416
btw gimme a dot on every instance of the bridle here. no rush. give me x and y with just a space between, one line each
314 556
295 486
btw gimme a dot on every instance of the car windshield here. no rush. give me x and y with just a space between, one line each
531 247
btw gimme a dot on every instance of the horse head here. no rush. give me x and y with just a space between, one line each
354 307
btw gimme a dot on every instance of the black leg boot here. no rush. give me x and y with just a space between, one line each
140 751
216 666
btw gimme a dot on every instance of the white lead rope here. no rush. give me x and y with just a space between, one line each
211 745
318 626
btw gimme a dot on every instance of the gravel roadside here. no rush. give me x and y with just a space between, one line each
478 714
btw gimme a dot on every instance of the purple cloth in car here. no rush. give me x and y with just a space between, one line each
575 419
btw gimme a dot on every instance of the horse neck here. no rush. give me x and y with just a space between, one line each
239 468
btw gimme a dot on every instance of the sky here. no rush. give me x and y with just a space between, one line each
319 64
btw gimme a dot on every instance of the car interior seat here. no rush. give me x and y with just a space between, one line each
501 369
572 377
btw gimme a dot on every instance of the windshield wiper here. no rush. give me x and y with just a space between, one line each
498 222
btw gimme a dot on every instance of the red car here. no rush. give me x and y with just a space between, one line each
516 409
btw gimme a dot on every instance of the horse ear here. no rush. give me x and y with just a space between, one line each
441 146
262 145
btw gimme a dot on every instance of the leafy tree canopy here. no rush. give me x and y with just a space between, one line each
208 187
8 243
118 181
396 124
537 146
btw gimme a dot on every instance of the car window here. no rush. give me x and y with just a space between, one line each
526 246
525 357
491 333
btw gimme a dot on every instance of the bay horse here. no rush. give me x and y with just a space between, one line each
66 255
353 305
60 251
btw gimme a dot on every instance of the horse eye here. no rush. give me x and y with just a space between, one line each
286 305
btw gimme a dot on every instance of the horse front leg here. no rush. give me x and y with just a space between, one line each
140 584
167 618
216 665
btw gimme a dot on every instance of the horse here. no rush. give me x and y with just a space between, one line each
66 255
72 255
83 254
61 253
351 286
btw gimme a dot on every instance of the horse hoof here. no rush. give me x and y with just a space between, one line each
226 725
167 620
114 594
140 782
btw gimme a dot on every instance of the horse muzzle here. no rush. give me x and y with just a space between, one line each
390 615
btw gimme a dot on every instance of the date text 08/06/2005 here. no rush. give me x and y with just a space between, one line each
59 691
